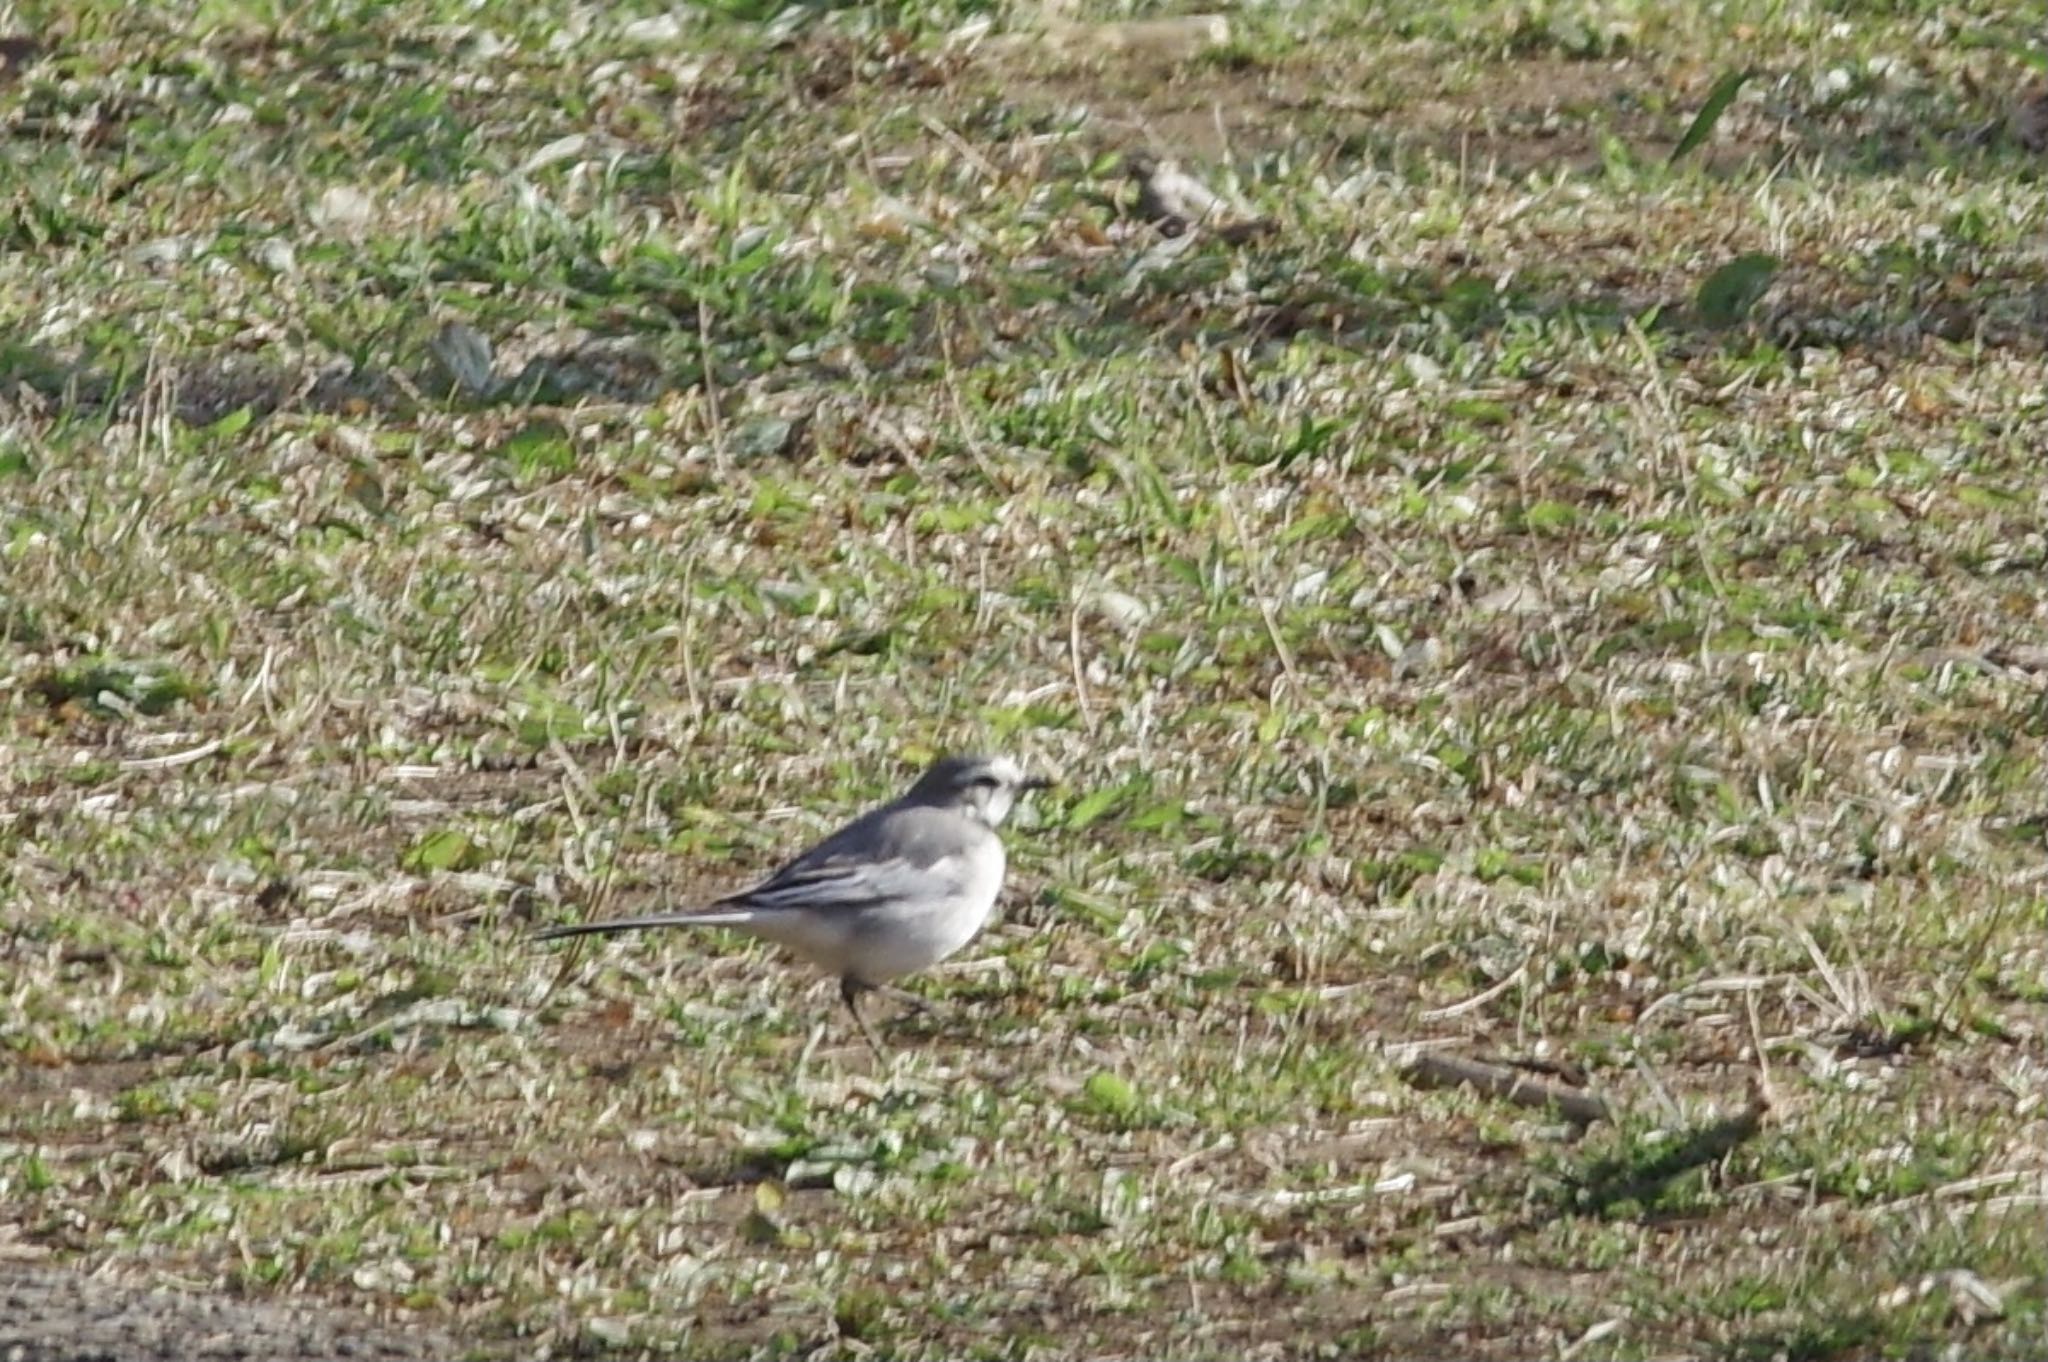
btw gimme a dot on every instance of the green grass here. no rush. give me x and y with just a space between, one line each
1435 596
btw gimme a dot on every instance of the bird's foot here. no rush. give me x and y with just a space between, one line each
924 1007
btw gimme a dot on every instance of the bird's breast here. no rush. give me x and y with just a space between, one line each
915 933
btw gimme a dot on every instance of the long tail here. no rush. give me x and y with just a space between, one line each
707 917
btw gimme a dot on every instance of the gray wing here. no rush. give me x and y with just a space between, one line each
880 858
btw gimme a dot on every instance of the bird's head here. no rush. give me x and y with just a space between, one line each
983 788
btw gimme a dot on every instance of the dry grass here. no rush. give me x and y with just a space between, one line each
1447 636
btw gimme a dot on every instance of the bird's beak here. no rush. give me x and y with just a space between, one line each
1036 783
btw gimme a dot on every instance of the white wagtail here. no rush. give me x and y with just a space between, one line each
896 890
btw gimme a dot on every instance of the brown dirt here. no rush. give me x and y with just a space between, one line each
53 1316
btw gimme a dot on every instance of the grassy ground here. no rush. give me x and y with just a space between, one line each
1451 628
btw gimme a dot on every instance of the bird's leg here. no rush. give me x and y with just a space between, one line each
850 989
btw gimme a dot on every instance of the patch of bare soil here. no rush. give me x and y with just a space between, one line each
55 1316
1538 112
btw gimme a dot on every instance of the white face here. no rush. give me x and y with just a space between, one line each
989 791
995 794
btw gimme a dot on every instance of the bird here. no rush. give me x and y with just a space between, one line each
897 890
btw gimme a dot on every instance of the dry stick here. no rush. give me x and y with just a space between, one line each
962 148
1491 1080
710 361
1763 1091
1478 1000
1658 1088
688 640
173 759
1849 1000
1074 656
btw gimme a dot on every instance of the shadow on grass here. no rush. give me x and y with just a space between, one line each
1631 1178
1351 308
628 326
1855 1334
